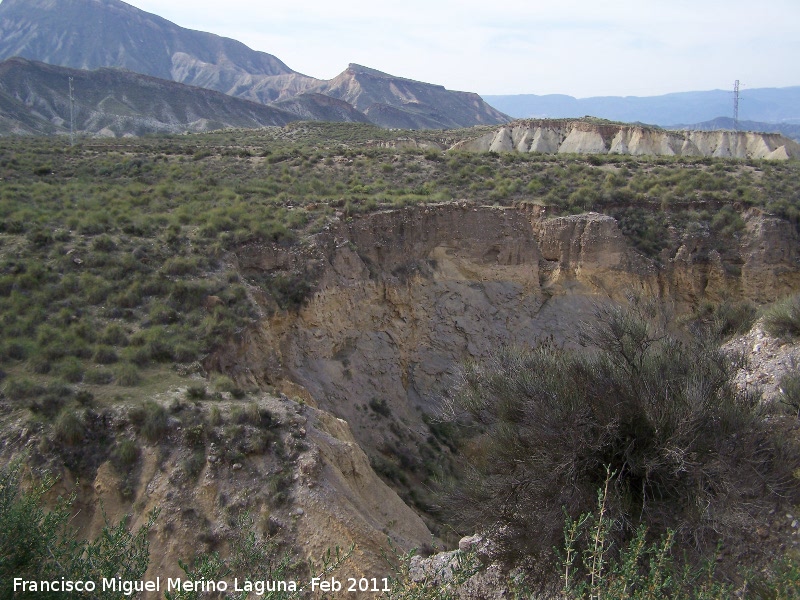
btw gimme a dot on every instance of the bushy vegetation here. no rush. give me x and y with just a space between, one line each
41 545
782 319
650 416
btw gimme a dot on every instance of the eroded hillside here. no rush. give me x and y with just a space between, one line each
402 298
294 317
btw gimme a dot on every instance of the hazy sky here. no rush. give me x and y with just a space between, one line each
577 47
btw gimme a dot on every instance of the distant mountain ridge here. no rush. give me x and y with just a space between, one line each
91 34
34 99
422 105
767 105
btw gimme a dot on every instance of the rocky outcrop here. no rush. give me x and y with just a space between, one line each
589 137
767 361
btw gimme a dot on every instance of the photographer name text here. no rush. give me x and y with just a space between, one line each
169 584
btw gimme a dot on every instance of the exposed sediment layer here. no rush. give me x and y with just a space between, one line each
584 137
404 297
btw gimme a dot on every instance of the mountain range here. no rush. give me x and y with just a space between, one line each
764 105
96 34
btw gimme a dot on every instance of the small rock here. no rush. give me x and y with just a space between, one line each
466 544
237 466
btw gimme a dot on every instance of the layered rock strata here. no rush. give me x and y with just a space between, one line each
585 137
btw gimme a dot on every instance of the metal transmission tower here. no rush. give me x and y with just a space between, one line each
71 115
736 106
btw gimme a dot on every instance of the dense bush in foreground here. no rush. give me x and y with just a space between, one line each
653 417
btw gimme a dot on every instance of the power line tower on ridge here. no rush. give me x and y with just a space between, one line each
736 106
71 115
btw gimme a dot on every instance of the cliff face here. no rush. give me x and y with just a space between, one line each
583 137
404 297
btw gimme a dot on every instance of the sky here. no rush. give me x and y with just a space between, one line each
577 47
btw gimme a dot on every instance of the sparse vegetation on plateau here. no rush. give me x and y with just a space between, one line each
111 250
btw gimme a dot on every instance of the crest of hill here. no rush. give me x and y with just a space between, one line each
89 34
34 98
399 102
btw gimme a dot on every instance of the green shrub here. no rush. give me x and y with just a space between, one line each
20 389
185 352
196 392
248 414
136 356
727 318
195 436
782 319
223 383
194 463
790 392
380 407
105 355
114 335
127 374
48 405
84 398
104 243
40 365
125 454
69 427
659 412
151 418
70 369
38 544
215 416
98 376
